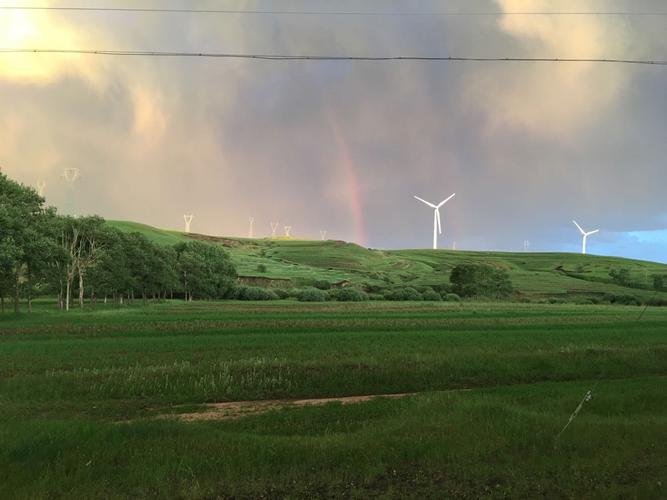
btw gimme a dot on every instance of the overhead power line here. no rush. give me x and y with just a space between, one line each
286 57
333 13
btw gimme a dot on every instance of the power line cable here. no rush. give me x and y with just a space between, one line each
330 13
286 57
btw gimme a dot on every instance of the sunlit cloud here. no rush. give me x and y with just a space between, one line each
545 98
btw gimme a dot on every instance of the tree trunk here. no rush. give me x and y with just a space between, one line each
68 293
29 291
60 296
81 289
17 294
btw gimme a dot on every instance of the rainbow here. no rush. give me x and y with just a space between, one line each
351 179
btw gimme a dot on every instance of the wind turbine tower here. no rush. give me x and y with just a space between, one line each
526 245
252 221
274 228
323 235
584 236
287 231
41 186
437 225
188 222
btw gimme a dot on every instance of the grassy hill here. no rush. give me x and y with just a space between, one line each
534 275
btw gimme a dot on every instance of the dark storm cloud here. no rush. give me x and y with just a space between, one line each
527 147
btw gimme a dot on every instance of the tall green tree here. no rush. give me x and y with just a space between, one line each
204 270
22 237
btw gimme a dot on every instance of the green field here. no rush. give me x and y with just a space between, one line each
91 403
535 276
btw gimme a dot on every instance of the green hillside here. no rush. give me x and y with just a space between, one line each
534 275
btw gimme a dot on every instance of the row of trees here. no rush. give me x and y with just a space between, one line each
82 258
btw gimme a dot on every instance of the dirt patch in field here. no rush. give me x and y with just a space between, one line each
238 409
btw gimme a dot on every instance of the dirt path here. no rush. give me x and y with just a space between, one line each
237 409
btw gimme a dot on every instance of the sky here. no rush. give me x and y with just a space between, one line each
343 146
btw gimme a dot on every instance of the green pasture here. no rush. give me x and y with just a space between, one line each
89 401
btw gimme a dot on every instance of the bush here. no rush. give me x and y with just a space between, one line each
431 295
480 280
452 297
620 276
313 295
261 268
348 295
254 293
623 300
442 289
322 284
282 293
626 300
407 293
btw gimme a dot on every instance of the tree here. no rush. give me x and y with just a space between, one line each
658 282
620 276
79 239
204 270
480 280
21 240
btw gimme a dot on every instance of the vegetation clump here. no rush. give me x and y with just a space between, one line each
348 294
255 293
620 276
622 299
313 295
322 284
431 295
480 280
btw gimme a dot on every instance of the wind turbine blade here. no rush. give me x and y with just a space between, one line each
437 217
579 227
426 202
445 201
593 232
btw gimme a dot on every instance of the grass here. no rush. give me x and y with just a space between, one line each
494 384
535 276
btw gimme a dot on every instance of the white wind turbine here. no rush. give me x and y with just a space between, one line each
437 226
584 236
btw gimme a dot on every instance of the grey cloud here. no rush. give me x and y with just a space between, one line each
156 138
